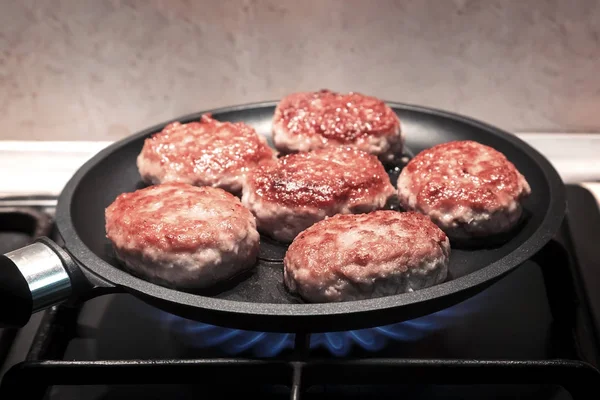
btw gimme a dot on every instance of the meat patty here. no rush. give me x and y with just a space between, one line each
468 189
355 257
203 153
289 195
311 120
182 236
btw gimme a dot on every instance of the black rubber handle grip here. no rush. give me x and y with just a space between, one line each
16 302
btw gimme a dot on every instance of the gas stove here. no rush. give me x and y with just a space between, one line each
533 335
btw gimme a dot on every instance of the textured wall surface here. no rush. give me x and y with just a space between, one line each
100 70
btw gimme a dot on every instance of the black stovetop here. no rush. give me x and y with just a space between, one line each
533 334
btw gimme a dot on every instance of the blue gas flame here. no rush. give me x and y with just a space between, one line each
264 344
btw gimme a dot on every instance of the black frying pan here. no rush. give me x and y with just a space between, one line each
44 274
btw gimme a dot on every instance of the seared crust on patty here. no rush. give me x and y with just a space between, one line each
182 236
467 188
353 257
310 120
289 195
203 153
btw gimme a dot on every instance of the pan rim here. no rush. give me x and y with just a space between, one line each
90 261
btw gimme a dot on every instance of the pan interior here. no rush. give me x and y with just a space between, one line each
117 173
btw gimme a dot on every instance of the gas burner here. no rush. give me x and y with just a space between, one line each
266 344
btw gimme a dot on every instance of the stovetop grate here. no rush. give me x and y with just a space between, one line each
578 378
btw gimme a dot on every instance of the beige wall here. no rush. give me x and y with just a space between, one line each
99 70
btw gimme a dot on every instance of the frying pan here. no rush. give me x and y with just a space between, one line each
44 274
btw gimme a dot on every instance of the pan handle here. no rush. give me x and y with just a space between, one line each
38 276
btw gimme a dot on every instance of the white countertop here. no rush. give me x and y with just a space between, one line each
44 167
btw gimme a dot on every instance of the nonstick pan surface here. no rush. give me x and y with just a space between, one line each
259 301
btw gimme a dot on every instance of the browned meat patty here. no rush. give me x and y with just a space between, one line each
354 257
203 153
468 189
310 120
182 236
289 195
